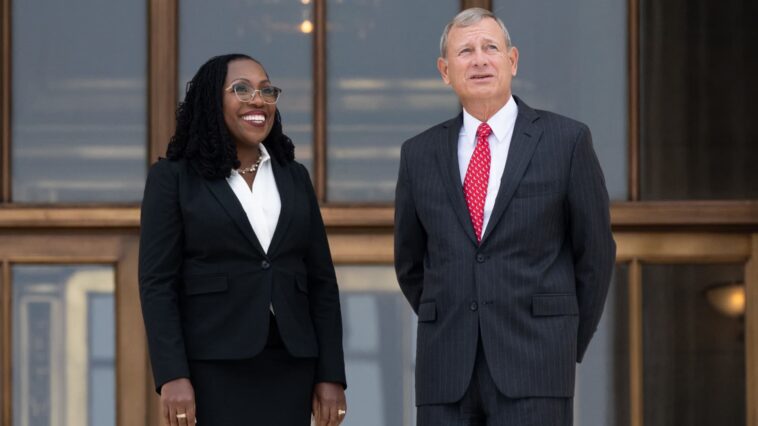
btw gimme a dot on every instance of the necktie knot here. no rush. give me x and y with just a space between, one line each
483 132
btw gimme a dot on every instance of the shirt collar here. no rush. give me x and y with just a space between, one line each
264 153
499 123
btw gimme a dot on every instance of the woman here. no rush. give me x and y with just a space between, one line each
237 284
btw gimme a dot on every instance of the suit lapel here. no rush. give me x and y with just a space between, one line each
526 137
447 159
225 196
285 186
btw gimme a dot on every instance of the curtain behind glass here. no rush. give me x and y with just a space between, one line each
698 100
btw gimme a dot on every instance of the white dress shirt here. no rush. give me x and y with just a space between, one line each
262 204
500 141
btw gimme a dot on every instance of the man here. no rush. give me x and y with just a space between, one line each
506 263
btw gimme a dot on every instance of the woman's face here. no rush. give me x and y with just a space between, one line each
248 122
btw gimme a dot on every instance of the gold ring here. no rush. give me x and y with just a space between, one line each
341 412
181 416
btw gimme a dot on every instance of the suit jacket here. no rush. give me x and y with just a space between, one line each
206 284
536 285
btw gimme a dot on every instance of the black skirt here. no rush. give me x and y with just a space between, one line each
272 389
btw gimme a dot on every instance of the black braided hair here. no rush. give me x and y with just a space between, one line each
201 135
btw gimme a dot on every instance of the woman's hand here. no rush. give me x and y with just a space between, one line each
329 404
178 403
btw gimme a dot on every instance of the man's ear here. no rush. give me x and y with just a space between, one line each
442 68
513 55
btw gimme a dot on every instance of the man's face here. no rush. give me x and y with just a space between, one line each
478 65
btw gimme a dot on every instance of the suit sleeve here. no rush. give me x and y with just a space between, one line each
323 295
594 250
410 238
160 260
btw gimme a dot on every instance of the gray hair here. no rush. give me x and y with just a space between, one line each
467 18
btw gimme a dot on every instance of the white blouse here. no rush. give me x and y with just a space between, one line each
262 204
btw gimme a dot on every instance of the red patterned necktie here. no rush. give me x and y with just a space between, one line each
477 178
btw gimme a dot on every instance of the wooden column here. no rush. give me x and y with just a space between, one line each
633 57
162 78
5 101
484 4
6 341
319 99
635 344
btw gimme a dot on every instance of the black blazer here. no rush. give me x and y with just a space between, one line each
534 288
206 283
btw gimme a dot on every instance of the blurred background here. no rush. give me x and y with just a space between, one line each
88 91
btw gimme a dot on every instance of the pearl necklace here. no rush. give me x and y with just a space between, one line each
252 168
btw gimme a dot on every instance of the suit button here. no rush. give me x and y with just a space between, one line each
473 306
480 258
265 264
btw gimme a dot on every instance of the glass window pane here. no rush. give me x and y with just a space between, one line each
278 34
572 60
79 106
383 88
601 396
698 90
63 345
379 332
694 355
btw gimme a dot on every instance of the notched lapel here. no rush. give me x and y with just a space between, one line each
526 136
286 188
225 196
447 158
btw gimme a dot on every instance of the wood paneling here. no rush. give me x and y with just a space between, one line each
368 217
625 216
652 214
361 248
669 247
751 333
73 217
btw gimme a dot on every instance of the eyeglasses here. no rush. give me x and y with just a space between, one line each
245 93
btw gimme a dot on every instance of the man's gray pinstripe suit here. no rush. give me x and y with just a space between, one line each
535 287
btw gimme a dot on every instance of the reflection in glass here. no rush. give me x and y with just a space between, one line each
79 105
602 382
63 346
572 60
378 342
694 356
383 88
279 34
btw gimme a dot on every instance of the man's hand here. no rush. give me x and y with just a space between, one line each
178 403
328 404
